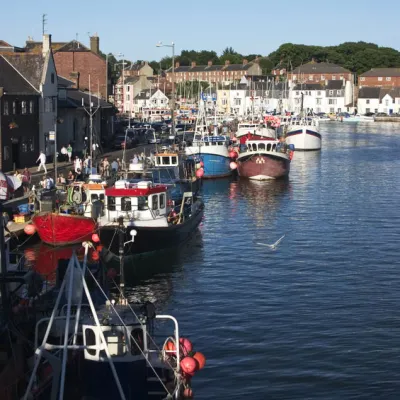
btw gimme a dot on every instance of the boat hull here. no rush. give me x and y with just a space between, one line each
63 229
304 138
262 166
150 239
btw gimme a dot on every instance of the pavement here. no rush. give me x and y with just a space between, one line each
65 166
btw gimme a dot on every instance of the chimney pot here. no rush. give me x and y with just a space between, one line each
95 44
227 62
245 62
193 64
209 63
177 64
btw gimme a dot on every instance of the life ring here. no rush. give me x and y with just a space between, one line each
77 197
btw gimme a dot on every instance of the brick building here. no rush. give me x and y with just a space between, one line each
380 77
214 73
76 62
314 72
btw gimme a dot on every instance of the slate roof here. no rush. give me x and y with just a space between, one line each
131 80
143 95
393 92
383 72
136 66
30 66
36 47
369 93
12 82
320 68
334 85
309 86
64 82
74 100
205 68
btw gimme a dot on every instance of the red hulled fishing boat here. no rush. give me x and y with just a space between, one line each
60 229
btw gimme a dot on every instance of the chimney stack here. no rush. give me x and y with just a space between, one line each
46 46
177 64
95 44
227 62
193 64
245 62
74 77
210 63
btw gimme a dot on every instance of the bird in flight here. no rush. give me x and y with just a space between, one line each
274 245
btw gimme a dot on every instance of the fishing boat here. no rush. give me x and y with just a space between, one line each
149 210
303 132
264 159
257 130
209 148
76 220
107 349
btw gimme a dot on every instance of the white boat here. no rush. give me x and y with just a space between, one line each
255 130
303 133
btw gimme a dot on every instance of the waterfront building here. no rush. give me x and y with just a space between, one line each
380 77
226 73
382 100
151 106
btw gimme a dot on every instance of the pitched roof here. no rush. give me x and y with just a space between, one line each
334 85
12 82
30 66
392 92
64 82
369 93
131 80
36 47
206 68
138 66
143 95
383 72
309 86
323 67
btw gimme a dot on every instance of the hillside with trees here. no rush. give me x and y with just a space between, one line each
358 57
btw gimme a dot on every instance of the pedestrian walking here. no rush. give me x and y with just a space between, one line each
69 152
42 159
64 153
77 164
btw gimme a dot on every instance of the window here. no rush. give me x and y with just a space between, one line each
367 110
128 88
174 160
154 201
5 109
322 77
386 102
334 77
388 78
339 92
331 92
297 93
332 110
52 78
332 101
142 203
165 161
341 78
319 93
111 203
237 102
380 78
126 204
294 77
376 110
23 107
362 79
367 101
296 101
162 201
311 77
319 102
128 97
14 107
224 102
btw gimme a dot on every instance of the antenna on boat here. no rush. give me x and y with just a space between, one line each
91 113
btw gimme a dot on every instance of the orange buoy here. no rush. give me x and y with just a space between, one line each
170 346
95 256
188 393
200 172
95 238
189 365
30 229
186 345
201 359
233 165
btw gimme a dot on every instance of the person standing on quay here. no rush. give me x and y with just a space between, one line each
69 152
42 159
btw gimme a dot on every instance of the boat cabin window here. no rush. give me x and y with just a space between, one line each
154 202
90 339
269 147
214 143
158 160
111 203
261 146
136 341
165 161
220 143
142 203
174 160
254 147
94 197
162 201
126 204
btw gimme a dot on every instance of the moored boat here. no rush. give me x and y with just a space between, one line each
264 159
148 210
304 134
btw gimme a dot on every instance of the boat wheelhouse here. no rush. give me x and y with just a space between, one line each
303 133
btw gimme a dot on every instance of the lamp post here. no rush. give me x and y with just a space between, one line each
172 45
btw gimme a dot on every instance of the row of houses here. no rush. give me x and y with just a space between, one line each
38 102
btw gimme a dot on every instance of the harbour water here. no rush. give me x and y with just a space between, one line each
318 318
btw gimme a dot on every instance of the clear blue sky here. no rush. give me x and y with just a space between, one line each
133 27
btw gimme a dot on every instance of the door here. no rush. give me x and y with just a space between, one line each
15 155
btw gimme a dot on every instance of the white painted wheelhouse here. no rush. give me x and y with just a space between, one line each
304 134
139 204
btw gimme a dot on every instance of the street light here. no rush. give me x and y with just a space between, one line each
172 45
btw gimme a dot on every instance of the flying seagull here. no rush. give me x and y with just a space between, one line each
272 246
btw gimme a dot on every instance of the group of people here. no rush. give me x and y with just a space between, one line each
138 158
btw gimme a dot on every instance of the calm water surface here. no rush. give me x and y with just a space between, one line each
319 318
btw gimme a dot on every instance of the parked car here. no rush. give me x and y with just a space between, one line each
381 114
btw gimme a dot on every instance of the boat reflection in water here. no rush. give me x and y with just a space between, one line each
306 166
264 198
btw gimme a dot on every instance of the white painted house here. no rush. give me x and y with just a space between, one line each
368 100
152 106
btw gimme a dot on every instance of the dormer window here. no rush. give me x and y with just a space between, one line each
52 78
